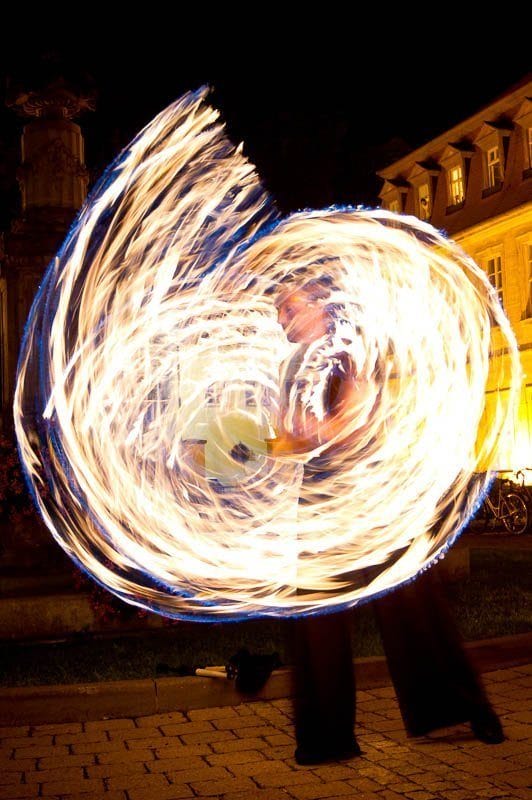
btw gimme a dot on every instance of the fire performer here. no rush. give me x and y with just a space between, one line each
435 683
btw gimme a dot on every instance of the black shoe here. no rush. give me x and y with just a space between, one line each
487 727
305 756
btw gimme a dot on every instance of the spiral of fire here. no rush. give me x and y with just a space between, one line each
154 371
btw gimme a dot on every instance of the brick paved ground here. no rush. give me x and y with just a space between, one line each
246 753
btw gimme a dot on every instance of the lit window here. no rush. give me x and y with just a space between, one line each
424 201
494 167
456 186
529 147
394 206
495 275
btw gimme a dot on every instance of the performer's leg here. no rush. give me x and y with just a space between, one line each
435 681
324 688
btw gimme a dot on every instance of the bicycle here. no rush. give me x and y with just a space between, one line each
505 506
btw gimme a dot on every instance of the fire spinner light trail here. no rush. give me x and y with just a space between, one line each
155 326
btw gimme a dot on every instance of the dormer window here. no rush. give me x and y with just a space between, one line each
456 186
493 140
423 177
494 171
424 201
393 194
456 161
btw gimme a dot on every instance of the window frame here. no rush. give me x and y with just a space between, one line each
425 217
492 181
499 287
453 202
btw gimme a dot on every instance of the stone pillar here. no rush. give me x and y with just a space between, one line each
53 172
53 181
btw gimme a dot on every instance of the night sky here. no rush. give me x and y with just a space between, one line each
317 128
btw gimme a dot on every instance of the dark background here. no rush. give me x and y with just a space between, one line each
316 120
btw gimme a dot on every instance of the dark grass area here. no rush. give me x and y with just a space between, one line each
495 601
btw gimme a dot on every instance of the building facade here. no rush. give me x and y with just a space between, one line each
475 182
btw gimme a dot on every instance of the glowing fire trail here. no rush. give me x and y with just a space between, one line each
162 291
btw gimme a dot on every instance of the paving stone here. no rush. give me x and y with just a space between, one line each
257 731
335 772
179 728
70 760
116 770
245 709
207 736
104 746
109 724
235 723
155 720
175 749
280 738
490 766
255 768
15 742
230 746
316 791
41 750
173 764
150 783
128 734
74 787
364 784
212 713
57 727
143 744
11 777
246 752
11 791
257 794
52 775
210 788
18 730
170 793
289 778
17 764
521 777
523 716
240 757
122 756
117 795
81 738
194 774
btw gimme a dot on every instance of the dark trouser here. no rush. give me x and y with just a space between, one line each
324 682
435 682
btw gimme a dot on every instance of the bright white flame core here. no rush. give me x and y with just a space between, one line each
162 290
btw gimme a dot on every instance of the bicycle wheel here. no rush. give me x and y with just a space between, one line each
514 513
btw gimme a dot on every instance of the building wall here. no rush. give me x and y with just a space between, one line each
491 222
510 236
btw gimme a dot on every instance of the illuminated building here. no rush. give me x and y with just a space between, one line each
475 182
